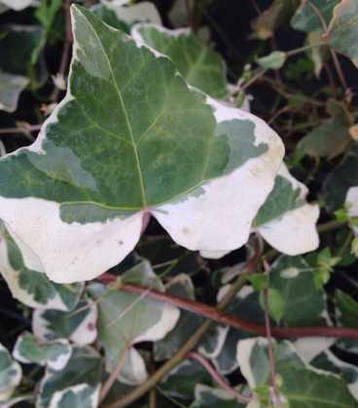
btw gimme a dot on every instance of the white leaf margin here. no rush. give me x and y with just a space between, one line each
218 220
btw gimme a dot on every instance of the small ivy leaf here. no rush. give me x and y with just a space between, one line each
275 60
78 325
329 362
18 5
286 221
188 323
11 87
181 382
207 397
343 29
276 304
29 284
10 374
55 354
305 18
200 66
339 181
126 319
87 184
300 384
79 381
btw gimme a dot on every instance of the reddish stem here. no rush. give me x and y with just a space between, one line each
216 315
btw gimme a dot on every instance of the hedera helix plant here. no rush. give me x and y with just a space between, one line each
150 128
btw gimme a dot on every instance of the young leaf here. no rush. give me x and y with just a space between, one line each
275 60
11 87
207 397
126 319
78 325
343 29
300 385
97 169
29 284
79 381
200 66
286 221
10 374
55 354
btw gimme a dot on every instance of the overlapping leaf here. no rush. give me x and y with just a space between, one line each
126 319
11 87
10 374
147 145
301 386
200 66
19 4
207 397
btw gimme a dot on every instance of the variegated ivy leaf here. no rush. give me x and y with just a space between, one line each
352 206
11 87
78 325
29 284
300 385
76 385
131 139
348 372
10 374
15 400
126 319
207 397
200 66
122 14
19 4
55 354
286 221
180 382
343 29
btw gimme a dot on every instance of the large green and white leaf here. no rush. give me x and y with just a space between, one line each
330 362
10 374
126 319
343 29
301 385
78 325
341 179
19 4
55 354
84 188
286 221
180 382
11 87
207 397
29 284
76 385
200 66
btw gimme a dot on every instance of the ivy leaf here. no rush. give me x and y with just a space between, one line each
29 284
329 362
275 60
18 5
78 325
10 374
11 87
331 138
352 206
286 221
200 66
97 169
300 384
126 319
181 382
75 385
207 397
122 14
55 354
343 29
338 182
